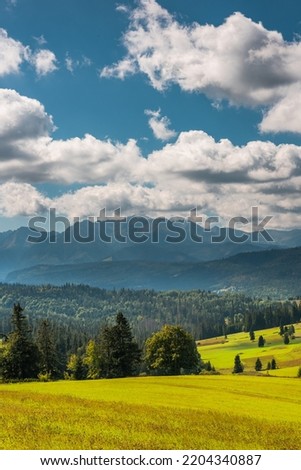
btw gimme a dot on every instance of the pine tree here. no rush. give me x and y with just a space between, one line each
261 341
252 335
258 365
238 366
119 355
127 353
286 338
106 342
21 356
273 364
49 357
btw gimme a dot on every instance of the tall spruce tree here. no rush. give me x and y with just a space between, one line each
49 356
21 356
258 365
273 364
238 366
106 346
252 334
119 355
127 353
261 341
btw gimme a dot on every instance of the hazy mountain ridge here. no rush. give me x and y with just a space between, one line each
80 255
17 252
275 273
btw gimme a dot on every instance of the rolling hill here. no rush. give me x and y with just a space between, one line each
221 352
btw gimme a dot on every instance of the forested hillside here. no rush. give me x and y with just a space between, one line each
77 312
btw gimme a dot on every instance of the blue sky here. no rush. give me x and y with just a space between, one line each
155 107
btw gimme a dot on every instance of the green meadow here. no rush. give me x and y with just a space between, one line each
245 411
195 412
221 352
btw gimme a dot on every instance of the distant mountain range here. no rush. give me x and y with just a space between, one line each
158 262
274 273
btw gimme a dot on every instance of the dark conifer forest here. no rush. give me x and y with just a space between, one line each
76 313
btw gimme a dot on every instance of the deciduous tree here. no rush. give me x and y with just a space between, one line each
171 351
75 368
92 360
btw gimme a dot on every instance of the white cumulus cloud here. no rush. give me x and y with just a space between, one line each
195 170
160 125
22 117
285 115
21 199
44 61
13 54
29 153
239 60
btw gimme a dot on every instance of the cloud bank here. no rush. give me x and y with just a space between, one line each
193 171
239 61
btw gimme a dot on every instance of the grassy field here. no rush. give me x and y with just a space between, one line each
247 411
195 412
221 352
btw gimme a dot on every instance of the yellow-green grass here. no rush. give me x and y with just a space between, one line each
188 412
221 352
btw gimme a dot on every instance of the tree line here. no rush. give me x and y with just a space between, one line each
77 311
113 353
